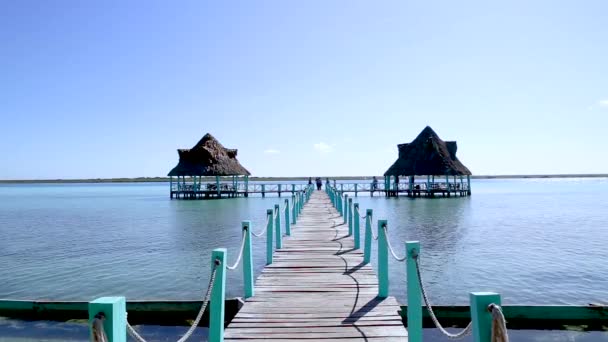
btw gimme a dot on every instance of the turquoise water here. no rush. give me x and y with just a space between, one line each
534 241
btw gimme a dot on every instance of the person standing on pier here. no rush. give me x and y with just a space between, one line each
319 183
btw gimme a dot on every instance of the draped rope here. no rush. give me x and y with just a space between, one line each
238 259
99 333
466 331
390 247
190 331
499 324
263 230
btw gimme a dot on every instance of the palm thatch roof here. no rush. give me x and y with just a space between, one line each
208 158
427 155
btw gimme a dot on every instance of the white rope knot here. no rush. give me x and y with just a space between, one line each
499 324
99 333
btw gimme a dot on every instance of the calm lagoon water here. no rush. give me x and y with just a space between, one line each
535 241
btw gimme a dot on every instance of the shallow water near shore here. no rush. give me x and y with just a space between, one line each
535 241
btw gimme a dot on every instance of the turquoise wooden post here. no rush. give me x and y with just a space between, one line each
481 317
115 311
269 232
293 188
382 260
247 261
217 184
367 249
293 209
279 190
218 296
350 216
263 190
468 185
277 225
356 189
342 188
287 223
447 182
345 212
414 302
356 226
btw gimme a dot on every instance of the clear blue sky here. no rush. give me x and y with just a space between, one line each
113 88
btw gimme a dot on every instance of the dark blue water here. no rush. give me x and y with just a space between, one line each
533 241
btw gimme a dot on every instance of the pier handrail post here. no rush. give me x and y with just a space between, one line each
357 226
356 189
481 316
367 250
350 216
301 201
263 190
247 261
277 224
287 223
115 323
414 301
269 233
218 296
293 208
345 212
382 260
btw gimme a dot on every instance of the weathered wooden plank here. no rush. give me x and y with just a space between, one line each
318 288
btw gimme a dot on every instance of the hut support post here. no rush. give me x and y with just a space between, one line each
382 260
414 302
248 261
115 324
357 226
269 232
468 185
277 223
481 316
367 249
217 184
218 296
447 184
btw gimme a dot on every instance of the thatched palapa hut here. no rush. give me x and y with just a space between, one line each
208 158
429 156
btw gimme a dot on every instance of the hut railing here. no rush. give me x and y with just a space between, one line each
108 316
487 321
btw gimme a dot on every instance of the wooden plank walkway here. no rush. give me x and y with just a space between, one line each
318 288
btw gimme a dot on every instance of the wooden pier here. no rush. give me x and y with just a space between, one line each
317 285
429 189
318 288
201 190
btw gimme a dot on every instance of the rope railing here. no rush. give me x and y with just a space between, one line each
499 324
465 332
241 249
263 230
390 247
99 333
190 331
